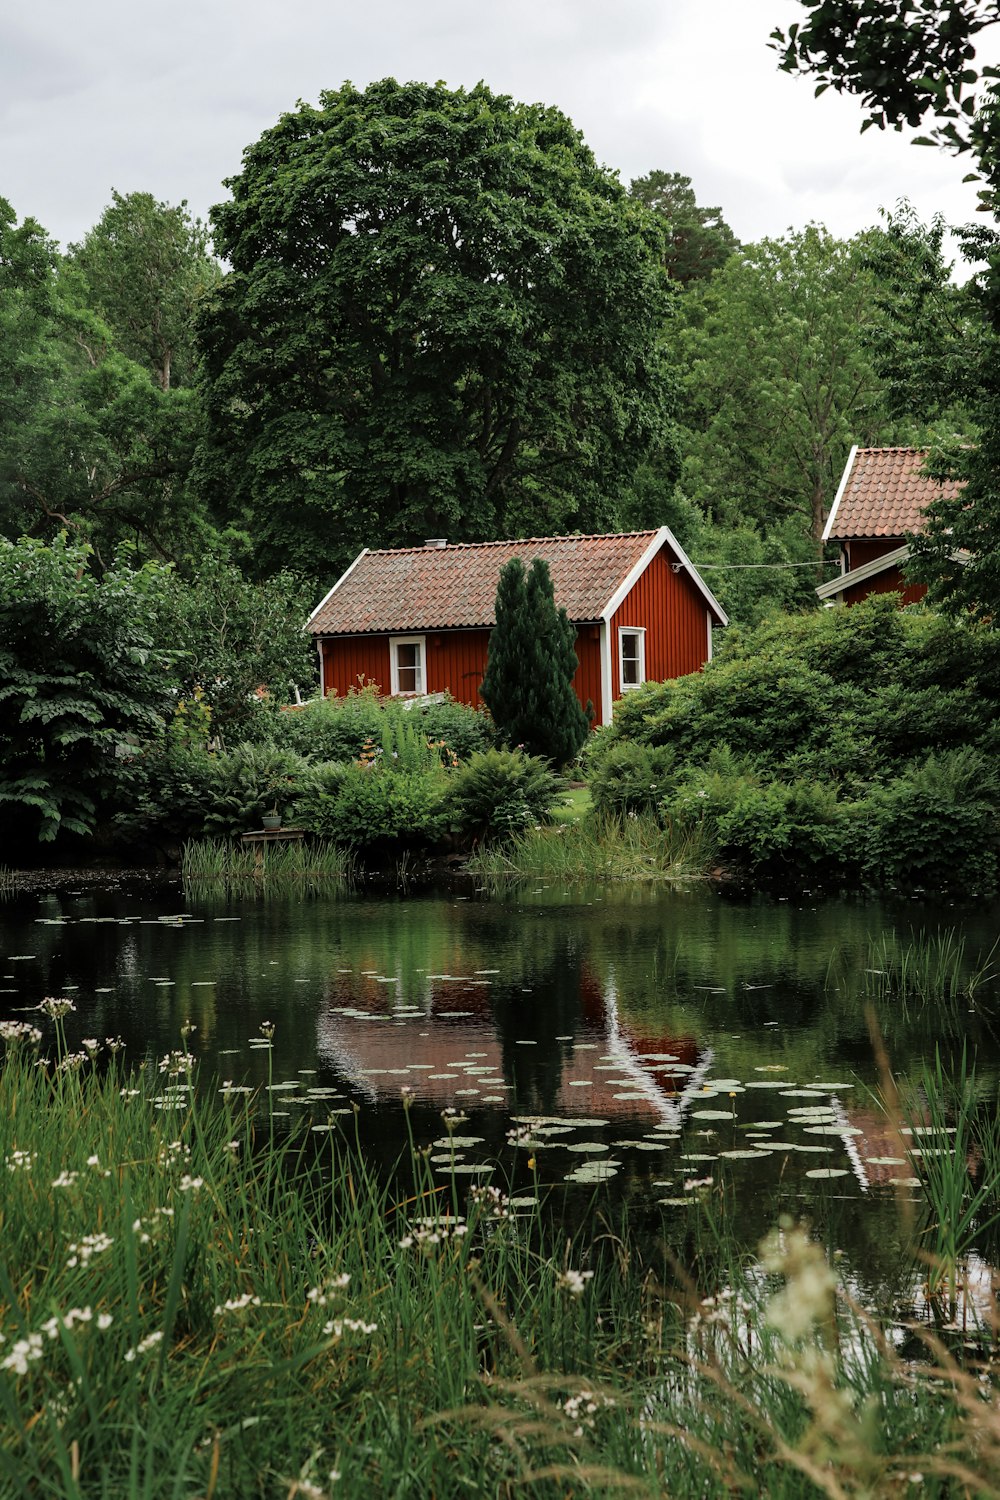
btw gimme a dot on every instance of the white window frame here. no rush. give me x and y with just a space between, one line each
395 641
639 631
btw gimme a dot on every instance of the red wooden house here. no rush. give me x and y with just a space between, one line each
418 620
882 498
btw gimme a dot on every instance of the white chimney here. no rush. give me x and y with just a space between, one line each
436 541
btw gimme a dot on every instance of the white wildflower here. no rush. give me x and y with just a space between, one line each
573 1282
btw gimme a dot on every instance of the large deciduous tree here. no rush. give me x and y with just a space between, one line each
88 442
442 318
778 382
528 684
144 266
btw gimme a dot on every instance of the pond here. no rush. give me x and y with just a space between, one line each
631 1044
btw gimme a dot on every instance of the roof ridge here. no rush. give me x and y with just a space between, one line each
517 541
898 448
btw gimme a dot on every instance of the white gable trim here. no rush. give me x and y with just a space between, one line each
605 648
834 586
840 494
326 599
664 536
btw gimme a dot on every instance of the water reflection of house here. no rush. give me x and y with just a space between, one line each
447 1050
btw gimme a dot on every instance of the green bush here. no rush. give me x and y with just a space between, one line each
376 806
935 826
340 728
500 793
774 832
629 778
250 781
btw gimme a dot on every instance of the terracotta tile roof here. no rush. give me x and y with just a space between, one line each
440 588
885 494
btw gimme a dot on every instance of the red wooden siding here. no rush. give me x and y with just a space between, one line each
889 582
587 681
455 663
353 659
675 618
861 552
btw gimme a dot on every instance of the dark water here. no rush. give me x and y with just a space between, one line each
663 1037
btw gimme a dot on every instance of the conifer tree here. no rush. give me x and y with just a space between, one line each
528 685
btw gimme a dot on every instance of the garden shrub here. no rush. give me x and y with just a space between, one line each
499 793
629 778
250 781
935 826
373 805
334 728
768 830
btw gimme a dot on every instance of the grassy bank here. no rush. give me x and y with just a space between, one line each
189 1311
596 848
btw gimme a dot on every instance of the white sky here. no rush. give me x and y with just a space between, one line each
114 94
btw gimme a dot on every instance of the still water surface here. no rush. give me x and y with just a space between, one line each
607 1044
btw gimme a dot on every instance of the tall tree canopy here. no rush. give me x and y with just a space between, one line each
442 318
698 240
88 442
144 266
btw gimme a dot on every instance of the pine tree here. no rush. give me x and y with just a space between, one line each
528 685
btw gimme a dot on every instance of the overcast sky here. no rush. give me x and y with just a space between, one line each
114 94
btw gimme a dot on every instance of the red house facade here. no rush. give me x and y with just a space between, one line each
418 619
882 498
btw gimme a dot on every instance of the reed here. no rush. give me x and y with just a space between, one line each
594 849
227 864
189 1308
928 968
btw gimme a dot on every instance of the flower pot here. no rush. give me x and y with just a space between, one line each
271 822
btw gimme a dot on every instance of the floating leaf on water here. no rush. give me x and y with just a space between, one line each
676 1202
801 1094
711 1114
695 1156
768 1083
886 1161
525 1042
581 1083
831 1130
595 1171
446 1142
468 1169
739 1155
771 1068
904 1181
633 1094
445 1156
526 1201
801 1146
585 1145
825 1172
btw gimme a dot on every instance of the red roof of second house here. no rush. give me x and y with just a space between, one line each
884 493
454 586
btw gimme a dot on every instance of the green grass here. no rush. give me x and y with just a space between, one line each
243 868
593 849
188 1309
572 805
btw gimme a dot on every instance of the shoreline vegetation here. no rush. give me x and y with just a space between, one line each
192 1304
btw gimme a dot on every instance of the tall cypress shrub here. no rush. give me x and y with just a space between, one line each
528 685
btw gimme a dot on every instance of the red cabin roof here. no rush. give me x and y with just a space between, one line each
885 493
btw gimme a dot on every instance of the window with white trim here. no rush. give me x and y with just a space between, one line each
406 664
631 658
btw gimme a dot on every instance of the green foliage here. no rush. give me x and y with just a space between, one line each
441 313
853 742
500 793
334 728
83 681
529 674
252 780
630 777
373 805
91 444
144 266
771 831
936 826
238 638
778 381
698 240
